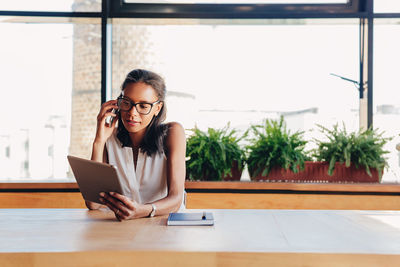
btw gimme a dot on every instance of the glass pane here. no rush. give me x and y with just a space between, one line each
244 71
52 5
386 89
242 1
51 87
387 6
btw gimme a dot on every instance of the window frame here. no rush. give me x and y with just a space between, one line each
119 9
361 9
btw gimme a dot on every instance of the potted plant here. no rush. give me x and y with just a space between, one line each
353 157
274 153
214 155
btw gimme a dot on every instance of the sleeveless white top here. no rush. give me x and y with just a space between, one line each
145 184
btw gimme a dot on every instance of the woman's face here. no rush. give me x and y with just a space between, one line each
133 121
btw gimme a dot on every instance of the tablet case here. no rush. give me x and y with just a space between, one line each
94 177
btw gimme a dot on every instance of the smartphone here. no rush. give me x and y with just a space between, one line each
115 111
111 119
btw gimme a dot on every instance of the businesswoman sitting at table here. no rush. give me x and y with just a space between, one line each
149 154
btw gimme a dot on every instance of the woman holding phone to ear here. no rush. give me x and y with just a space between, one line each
149 155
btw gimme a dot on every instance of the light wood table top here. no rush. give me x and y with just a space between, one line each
312 237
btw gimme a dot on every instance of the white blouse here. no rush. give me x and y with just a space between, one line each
146 184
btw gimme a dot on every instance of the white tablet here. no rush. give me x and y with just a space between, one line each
94 177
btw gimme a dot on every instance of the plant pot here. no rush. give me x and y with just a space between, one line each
318 172
236 173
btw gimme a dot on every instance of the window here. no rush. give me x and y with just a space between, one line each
282 53
386 6
52 70
51 5
386 104
244 71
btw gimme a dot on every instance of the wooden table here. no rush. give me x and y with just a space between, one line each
77 237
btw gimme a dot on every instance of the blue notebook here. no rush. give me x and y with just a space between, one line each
200 218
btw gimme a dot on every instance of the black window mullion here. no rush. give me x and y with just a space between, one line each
50 14
104 18
167 10
370 10
386 15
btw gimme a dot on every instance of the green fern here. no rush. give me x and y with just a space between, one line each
274 145
211 154
362 148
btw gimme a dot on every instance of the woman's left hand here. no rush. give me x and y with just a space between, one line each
123 207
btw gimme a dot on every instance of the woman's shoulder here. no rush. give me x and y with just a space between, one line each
173 125
175 133
174 128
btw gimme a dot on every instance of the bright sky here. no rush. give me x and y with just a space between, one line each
266 67
262 67
36 71
42 5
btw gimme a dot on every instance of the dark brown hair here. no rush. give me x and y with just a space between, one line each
153 141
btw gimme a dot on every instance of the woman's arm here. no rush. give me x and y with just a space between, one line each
98 154
103 132
125 208
176 170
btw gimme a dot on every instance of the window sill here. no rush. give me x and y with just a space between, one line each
236 186
37 185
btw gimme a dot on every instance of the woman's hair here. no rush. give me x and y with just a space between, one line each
153 141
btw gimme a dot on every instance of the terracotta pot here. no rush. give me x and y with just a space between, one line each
318 172
236 173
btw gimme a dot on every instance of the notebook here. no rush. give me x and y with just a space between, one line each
199 218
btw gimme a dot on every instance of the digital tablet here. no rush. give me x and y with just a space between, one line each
94 177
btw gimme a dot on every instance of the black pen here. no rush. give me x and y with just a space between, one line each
204 215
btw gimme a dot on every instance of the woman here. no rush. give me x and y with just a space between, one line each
149 155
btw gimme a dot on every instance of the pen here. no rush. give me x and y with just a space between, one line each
204 215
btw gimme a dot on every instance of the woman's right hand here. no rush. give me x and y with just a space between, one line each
104 130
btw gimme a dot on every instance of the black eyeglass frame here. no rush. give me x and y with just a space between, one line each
133 104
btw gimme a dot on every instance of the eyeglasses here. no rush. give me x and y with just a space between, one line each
143 108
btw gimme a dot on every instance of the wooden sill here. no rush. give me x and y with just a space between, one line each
233 186
37 185
373 187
